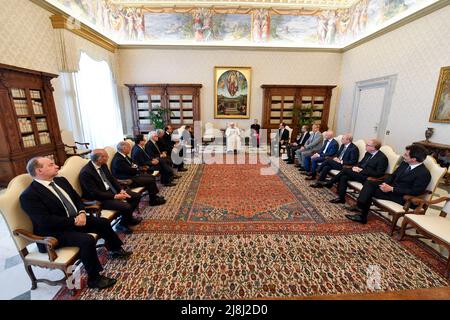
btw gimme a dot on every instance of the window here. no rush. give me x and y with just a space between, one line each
99 110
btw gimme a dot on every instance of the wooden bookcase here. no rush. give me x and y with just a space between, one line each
280 101
29 124
183 100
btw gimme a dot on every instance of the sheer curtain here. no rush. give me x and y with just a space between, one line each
101 123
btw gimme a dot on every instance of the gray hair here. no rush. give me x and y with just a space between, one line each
32 165
121 145
96 154
159 131
151 134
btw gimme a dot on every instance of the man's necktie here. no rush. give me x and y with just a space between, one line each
407 170
342 153
69 207
102 174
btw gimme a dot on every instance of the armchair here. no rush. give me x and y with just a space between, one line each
70 145
436 228
21 229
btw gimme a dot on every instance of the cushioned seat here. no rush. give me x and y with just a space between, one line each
355 185
436 225
391 205
334 172
64 256
109 214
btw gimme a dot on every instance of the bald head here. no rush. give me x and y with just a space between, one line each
329 134
42 168
99 156
347 138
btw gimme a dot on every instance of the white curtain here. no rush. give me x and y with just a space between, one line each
101 123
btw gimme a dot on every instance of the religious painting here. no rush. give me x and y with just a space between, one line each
441 104
232 92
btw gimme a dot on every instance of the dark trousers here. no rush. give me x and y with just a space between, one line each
125 208
343 177
290 149
80 237
166 170
326 167
371 190
147 181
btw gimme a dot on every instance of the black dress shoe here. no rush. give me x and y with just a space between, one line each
298 166
301 169
357 218
134 221
161 197
182 169
316 185
290 162
287 159
101 282
328 185
311 177
353 208
120 253
169 184
175 176
157 202
123 228
337 200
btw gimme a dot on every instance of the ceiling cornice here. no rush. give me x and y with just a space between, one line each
61 20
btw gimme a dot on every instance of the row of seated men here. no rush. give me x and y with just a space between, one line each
56 210
319 153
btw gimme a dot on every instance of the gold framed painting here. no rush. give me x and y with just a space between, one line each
441 104
232 87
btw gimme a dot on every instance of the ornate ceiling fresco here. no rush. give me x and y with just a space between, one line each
270 23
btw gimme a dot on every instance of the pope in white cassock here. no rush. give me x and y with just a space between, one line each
233 135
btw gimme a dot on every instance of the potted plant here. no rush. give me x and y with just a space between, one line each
158 117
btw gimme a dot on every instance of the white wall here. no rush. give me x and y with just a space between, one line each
197 66
415 53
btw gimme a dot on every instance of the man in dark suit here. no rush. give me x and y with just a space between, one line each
141 157
283 135
299 142
56 210
176 151
254 133
374 164
98 184
347 155
122 167
329 149
410 178
152 149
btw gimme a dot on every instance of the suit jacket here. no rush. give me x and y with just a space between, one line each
93 186
140 157
331 150
413 183
152 151
302 139
167 138
121 167
314 142
46 211
284 136
351 155
374 167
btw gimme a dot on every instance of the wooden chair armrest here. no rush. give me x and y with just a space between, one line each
85 144
49 242
347 166
72 147
125 182
377 179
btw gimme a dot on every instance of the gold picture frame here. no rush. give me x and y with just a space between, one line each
232 89
441 103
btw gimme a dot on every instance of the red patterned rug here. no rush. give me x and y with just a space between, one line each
230 232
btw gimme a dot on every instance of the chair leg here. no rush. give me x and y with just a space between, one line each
30 272
448 266
395 218
402 230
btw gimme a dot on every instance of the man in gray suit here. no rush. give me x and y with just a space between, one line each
311 146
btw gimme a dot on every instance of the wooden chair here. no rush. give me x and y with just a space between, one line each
71 171
70 145
436 228
397 210
21 229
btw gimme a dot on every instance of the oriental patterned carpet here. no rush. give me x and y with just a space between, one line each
239 231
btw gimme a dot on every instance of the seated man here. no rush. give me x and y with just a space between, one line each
374 164
165 165
312 145
98 184
283 135
299 142
328 150
122 167
410 178
141 157
56 210
347 155
233 136
254 133
188 138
